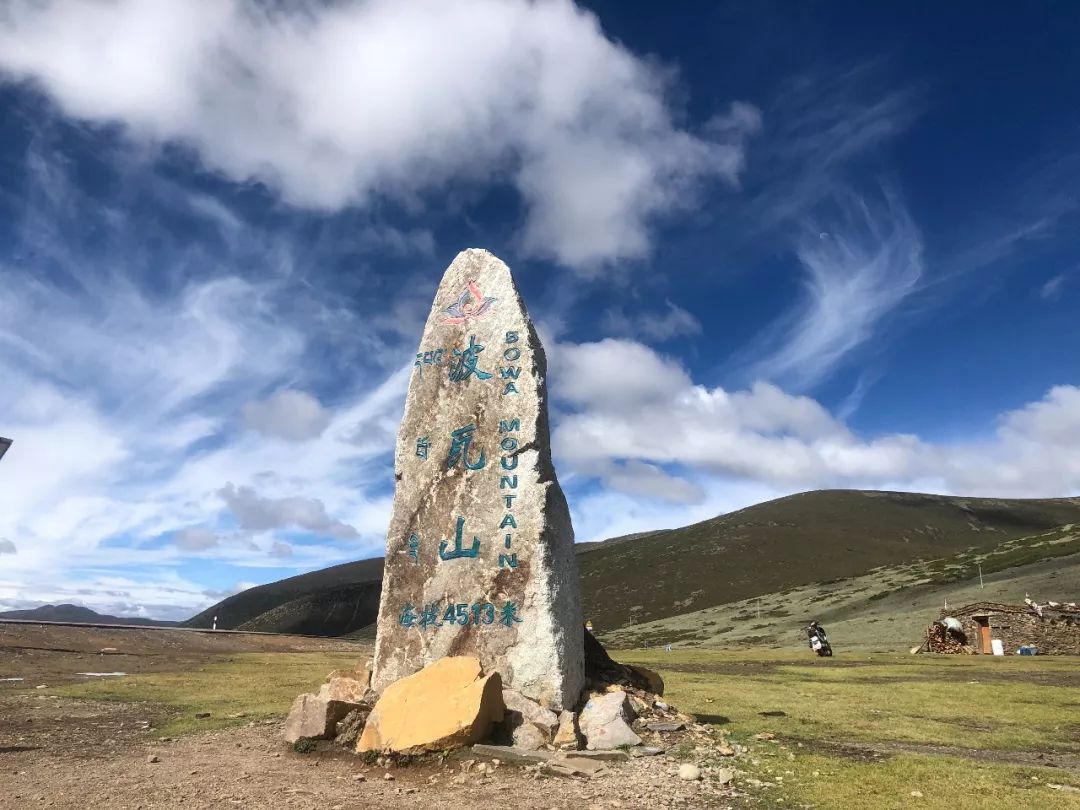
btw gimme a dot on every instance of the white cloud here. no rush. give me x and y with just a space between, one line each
7 547
860 264
634 416
261 514
123 371
1051 290
638 478
672 322
195 539
344 103
280 550
291 415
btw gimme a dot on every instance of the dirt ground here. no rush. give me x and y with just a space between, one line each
54 654
57 752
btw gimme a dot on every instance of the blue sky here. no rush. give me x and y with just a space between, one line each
769 248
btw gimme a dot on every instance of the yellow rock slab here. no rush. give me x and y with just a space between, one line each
445 705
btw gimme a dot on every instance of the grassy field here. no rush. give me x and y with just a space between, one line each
234 690
858 732
866 731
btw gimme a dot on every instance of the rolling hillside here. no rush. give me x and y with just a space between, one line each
797 540
884 609
247 606
78 613
767 548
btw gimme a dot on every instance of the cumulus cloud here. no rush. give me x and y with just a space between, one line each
7 547
638 478
345 103
257 513
280 550
291 415
633 415
195 539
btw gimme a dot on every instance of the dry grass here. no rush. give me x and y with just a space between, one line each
990 709
234 690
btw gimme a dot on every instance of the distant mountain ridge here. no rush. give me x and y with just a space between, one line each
78 613
770 547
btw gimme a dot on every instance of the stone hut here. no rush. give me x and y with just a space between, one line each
1053 630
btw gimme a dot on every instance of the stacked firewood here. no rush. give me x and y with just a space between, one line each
940 640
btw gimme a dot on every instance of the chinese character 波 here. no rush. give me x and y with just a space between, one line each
423 444
461 368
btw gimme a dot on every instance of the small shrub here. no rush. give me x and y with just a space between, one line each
303 746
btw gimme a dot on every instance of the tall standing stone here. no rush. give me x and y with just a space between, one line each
479 554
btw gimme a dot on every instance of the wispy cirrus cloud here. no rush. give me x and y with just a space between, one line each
134 367
859 263
670 322
353 102
1051 288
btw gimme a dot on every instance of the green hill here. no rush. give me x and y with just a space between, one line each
887 608
80 614
246 607
767 548
797 540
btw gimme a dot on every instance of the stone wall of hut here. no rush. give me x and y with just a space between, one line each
1053 634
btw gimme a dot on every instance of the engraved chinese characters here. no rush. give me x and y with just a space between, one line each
479 555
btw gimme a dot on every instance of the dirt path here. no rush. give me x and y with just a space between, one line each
61 753
1040 759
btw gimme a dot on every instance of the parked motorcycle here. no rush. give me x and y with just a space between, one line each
819 642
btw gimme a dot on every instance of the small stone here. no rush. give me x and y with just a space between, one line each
689 772
567 736
389 777
764 736
724 749
646 751
659 704
529 738
665 726
153 758
202 715
605 722
916 794
725 776
359 778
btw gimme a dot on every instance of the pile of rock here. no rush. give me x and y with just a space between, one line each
339 709
452 703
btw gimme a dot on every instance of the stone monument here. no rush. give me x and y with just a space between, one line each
479 554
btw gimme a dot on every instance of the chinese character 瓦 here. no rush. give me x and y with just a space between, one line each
460 440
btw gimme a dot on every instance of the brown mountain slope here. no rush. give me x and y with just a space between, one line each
246 606
810 537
